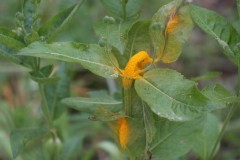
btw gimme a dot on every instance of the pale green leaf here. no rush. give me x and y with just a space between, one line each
111 149
170 28
206 139
56 24
20 137
220 29
170 95
91 57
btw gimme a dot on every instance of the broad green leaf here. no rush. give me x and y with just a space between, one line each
115 7
206 76
133 133
219 95
220 29
170 95
170 29
10 42
174 139
206 139
91 104
138 38
44 75
91 56
20 137
55 92
103 114
113 33
56 24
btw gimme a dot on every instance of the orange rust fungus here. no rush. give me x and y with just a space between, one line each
134 66
172 23
123 132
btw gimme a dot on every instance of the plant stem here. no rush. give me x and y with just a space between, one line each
127 101
45 108
226 121
124 3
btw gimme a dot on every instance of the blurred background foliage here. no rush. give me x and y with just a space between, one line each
20 100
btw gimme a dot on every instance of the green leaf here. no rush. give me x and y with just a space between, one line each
138 38
91 56
91 104
115 7
170 28
9 33
207 76
174 139
220 96
56 24
43 75
149 124
10 42
206 139
170 95
9 54
20 137
55 92
220 29
113 33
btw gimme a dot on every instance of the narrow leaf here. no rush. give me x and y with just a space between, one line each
220 29
91 104
56 24
170 95
20 137
11 42
91 56
170 29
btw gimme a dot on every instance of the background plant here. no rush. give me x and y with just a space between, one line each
105 41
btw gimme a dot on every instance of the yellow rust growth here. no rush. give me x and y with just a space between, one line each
172 23
134 66
123 132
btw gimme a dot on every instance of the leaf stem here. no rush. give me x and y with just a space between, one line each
127 101
226 121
